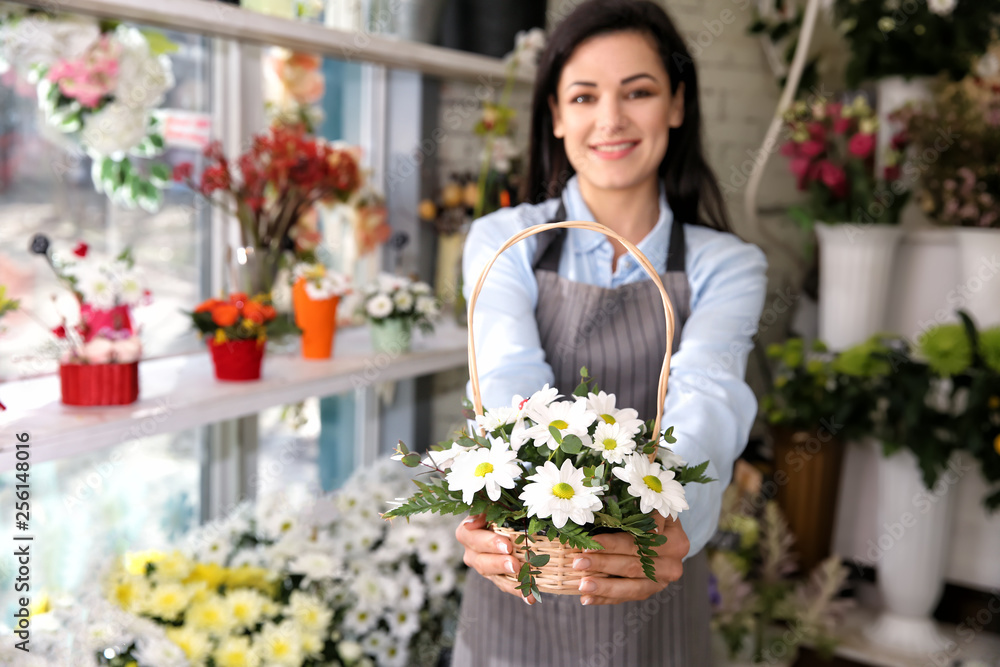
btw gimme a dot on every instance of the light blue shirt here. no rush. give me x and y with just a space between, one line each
709 403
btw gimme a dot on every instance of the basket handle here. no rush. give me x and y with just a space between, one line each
668 309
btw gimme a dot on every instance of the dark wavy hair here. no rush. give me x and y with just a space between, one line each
690 184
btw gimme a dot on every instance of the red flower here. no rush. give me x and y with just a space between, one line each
892 174
60 331
811 149
81 249
861 145
215 178
841 126
182 172
817 132
900 140
834 178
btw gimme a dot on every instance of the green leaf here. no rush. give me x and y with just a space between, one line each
571 444
541 560
556 435
160 174
694 474
401 447
158 42
157 141
411 460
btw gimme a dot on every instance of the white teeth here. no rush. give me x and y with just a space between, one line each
615 147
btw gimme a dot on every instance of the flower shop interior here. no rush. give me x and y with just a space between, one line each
231 293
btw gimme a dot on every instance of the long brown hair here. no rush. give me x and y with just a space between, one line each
691 186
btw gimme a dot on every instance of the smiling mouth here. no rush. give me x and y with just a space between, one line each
615 148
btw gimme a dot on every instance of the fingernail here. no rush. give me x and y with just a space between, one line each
526 601
507 565
502 546
581 564
586 601
469 520
590 551
587 586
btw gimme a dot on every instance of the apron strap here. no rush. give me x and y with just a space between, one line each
550 245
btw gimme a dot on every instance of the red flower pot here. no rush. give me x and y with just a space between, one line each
237 360
99 384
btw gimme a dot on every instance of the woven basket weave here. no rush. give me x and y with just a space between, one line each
558 575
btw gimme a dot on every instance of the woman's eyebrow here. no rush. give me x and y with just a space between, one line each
624 81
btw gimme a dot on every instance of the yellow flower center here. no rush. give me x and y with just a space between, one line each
653 482
483 469
562 490
559 424
610 443
608 419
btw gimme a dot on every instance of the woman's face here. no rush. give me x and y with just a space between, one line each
614 111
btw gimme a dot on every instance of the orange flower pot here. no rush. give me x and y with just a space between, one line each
317 319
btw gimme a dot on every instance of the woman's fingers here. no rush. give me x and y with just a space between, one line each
489 554
508 586
611 590
472 534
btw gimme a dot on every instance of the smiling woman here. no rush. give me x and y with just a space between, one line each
615 139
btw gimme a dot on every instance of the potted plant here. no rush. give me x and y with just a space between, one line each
960 182
99 361
813 411
854 209
393 305
760 614
236 330
316 293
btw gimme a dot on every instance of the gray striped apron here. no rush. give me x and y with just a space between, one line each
618 335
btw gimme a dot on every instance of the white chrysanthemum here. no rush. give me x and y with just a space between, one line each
405 536
942 7
130 288
437 548
311 614
445 458
143 78
379 306
403 300
427 306
279 644
388 282
613 442
167 601
491 468
360 620
494 418
420 288
441 581
567 417
315 566
559 493
114 130
412 592
96 287
539 399
604 405
159 652
655 487
236 651
393 654
246 606
349 651
403 623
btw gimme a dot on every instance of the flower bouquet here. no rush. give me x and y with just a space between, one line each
315 295
393 305
98 84
237 330
832 155
325 582
283 174
99 361
559 472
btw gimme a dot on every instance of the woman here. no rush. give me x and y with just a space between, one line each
616 139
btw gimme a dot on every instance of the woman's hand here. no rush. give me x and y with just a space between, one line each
620 559
489 554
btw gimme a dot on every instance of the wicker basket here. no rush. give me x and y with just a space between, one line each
558 575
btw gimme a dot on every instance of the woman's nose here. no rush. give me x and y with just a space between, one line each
611 116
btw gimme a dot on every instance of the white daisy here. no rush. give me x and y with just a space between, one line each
494 418
390 283
360 620
130 288
159 651
427 305
436 549
445 458
315 566
604 405
375 641
349 651
540 398
393 654
412 592
568 417
441 581
403 623
379 306
96 287
403 300
613 442
655 487
559 493
493 468
420 288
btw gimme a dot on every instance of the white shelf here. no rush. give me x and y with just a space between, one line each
218 19
181 392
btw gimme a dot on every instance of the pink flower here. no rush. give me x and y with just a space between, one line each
99 351
811 149
862 145
817 131
128 350
841 126
90 78
834 178
96 320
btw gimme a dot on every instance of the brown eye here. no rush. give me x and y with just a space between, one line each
581 99
642 92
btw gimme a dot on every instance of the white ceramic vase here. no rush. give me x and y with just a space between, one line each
924 280
979 279
914 527
855 267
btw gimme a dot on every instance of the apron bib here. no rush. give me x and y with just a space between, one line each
618 335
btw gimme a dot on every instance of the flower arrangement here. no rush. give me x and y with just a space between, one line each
566 470
283 174
321 282
316 295
326 582
239 317
832 155
961 186
399 298
918 38
751 587
105 293
98 84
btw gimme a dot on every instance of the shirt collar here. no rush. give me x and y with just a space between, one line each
655 246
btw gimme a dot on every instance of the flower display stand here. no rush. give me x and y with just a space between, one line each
924 279
855 263
979 287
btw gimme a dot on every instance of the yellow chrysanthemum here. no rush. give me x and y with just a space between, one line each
312 644
280 645
173 567
212 616
212 574
193 642
251 577
235 652
128 592
167 601
246 606
309 612
136 562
